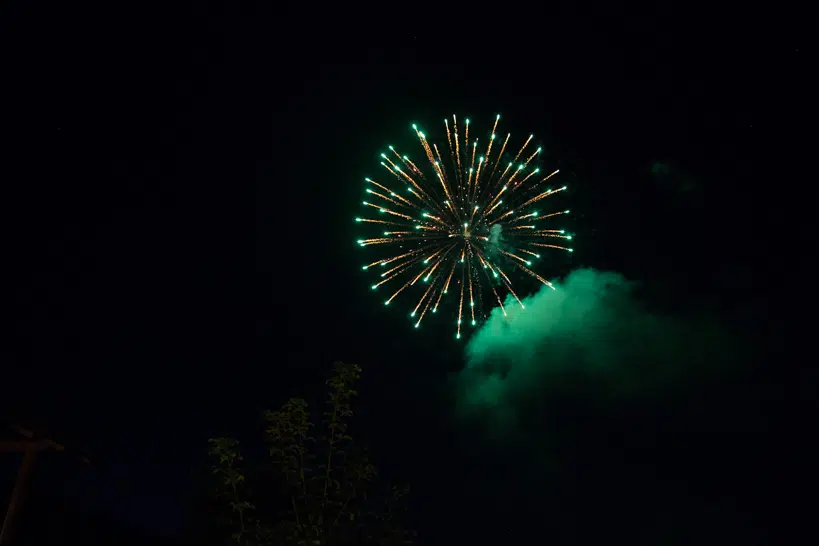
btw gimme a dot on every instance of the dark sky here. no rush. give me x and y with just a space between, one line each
178 188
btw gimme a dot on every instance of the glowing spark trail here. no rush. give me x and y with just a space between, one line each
468 212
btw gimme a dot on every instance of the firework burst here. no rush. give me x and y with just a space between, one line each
463 225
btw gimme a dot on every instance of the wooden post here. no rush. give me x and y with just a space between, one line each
29 448
17 493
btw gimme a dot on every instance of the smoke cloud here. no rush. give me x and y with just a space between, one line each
592 332
495 239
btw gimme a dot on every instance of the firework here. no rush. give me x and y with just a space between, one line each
461 227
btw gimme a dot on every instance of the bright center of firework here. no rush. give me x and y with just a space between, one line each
461 218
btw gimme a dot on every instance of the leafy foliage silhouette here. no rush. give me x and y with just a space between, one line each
321 489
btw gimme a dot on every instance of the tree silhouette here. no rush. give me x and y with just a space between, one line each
321 490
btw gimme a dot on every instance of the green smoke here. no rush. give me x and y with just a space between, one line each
592 333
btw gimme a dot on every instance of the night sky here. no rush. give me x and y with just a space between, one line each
178 194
